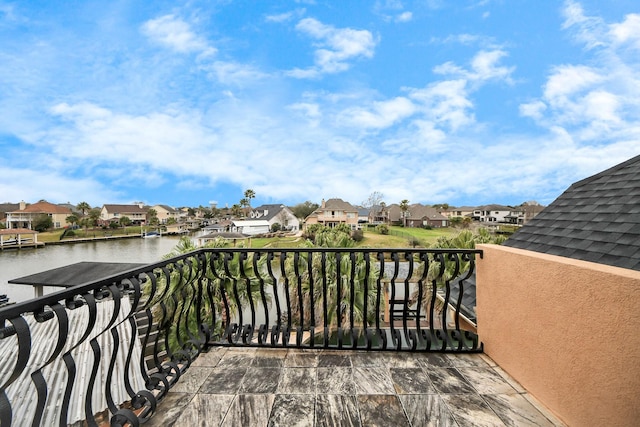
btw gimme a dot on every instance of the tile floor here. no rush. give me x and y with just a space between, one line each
280 387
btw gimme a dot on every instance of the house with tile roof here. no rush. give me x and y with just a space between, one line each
276 213
333 212
26 215
137 213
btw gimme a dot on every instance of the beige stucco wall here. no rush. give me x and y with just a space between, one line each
568 331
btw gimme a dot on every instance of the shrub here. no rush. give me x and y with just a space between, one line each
276 227
357 235
382 229
413 242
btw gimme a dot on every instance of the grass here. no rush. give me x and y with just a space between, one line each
398 237
54 236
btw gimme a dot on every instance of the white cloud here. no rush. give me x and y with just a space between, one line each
484 67
600 101
334 47
445 103
55 186
533 109
587 29
404 17
233 73
285 16
176 34
381 114
628 31
567 80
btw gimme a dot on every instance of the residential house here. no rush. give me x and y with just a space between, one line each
557 303
276 213
421 216
250 227
417 215
25 215
333 212
461 212
378 214
394 214
363 215
497 213
165 212
7 207
137 213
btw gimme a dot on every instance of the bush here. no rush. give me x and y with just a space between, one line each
413 242
113 225
69 233
276 227
357 235
382 229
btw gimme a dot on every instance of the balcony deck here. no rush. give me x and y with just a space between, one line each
280 387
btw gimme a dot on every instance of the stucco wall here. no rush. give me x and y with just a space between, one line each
568 331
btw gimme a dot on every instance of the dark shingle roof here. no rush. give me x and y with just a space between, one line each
596 219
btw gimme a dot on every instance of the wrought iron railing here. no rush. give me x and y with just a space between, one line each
112 349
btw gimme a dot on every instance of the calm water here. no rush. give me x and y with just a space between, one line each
19 263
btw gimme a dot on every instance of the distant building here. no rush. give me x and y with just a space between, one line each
276 213
334 212
136 213
24 217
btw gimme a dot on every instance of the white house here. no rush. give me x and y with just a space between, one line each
279 214
250 227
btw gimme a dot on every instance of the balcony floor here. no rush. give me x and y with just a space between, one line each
279 387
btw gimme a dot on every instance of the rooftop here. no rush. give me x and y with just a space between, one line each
286 387
597 219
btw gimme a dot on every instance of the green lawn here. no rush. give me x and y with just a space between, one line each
398 237
54 236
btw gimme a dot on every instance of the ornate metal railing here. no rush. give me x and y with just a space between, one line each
112 349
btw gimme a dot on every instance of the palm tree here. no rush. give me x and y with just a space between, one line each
83 207
207 292
249 194
336 306
72 219
404 207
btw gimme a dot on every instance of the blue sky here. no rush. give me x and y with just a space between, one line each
434 101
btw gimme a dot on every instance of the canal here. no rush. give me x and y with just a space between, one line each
19 263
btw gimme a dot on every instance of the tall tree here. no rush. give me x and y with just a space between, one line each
152 217
72 219
374 199
94 215
404 207
303 210
83 207
249 194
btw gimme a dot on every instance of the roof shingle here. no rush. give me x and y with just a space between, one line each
596 219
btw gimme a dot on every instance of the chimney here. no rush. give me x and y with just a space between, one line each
323 204
23 205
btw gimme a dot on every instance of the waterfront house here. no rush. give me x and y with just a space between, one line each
165 212
137 213
26 214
